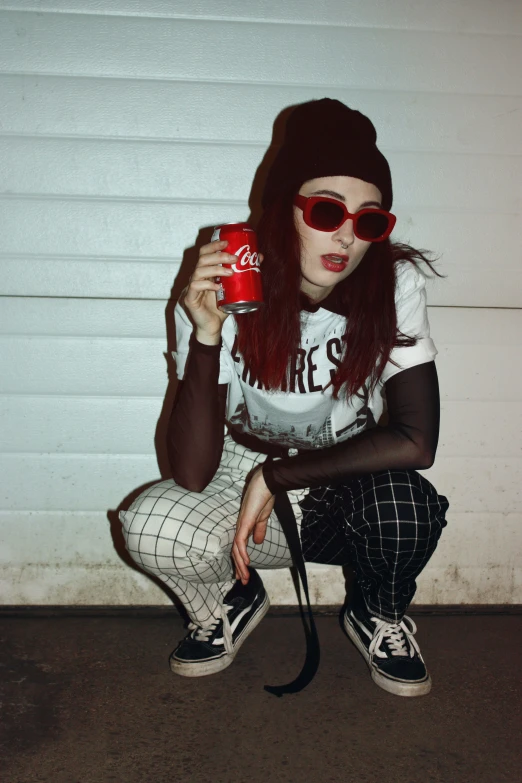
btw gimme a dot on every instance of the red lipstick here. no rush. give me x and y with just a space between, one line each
334 262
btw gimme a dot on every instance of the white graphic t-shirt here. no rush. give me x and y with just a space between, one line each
305 416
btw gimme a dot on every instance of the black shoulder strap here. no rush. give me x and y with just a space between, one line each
285 514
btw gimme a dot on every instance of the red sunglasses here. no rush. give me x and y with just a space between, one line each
328 214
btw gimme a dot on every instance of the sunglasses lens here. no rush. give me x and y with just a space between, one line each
326 216
372 226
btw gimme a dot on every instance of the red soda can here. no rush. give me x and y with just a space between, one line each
241 292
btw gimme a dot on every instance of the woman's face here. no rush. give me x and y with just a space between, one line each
317 281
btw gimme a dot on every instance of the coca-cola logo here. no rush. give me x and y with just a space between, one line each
247 261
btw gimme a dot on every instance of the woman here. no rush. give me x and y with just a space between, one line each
343 308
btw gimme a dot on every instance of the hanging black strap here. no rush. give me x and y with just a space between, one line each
285 514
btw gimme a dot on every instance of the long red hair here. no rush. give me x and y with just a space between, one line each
268 339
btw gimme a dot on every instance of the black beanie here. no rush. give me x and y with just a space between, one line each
325 138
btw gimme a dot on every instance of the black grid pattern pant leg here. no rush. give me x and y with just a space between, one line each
386 525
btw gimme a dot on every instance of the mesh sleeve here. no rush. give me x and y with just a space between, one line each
195 433
184 334
408 441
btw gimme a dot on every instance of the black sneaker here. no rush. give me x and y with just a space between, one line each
392 654
209 650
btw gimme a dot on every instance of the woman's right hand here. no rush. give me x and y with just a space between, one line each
200 295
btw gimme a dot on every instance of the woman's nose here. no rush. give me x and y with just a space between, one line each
345 233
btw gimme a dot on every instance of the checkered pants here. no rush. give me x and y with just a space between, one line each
386 525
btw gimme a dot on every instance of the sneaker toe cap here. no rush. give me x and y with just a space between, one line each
406 669
191 651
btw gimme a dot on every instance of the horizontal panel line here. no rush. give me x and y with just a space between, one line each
52 564
13 256
80 396
123 199
62 396
89 258
89 455
38 511
87 397
153 454
7 396
83 198
245 83
245 20
93 298
73 337
208 142
249 83
60 563
127 397
143 139
165 300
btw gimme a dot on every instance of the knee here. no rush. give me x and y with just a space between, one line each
406 506
164 525
143 521
429 507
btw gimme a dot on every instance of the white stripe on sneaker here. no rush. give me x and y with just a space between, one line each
234 625
361 626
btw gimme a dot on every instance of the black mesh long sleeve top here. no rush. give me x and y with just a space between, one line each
319 441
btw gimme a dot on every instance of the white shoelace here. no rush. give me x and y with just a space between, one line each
398 637
203 634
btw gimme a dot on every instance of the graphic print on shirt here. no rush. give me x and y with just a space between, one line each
301 416
306 416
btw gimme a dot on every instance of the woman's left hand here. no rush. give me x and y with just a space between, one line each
255 511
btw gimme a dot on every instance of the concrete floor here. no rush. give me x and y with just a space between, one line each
92 700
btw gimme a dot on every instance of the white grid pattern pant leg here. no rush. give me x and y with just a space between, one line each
185 538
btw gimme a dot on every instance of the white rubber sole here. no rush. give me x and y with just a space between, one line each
203 668
397 687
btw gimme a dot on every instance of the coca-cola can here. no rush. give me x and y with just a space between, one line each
241 292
